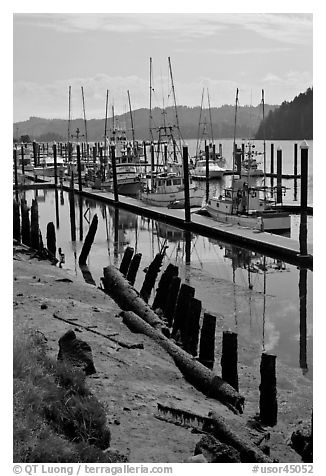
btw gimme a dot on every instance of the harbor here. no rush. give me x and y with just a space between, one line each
163 240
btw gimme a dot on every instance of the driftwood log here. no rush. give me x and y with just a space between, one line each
249 452
127 297
194 372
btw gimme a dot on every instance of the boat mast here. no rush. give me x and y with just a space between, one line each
132 121
150 99
85 122
69 111
234 139
264 147
210 117
175 102
106 122
201 109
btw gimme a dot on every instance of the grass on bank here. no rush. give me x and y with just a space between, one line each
56 418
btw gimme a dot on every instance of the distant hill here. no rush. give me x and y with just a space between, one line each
248 121
292 120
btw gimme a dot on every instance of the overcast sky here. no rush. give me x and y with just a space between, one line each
251 51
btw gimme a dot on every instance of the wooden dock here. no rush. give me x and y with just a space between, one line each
270 244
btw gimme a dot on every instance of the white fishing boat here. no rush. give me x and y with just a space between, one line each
249 164
214 170
242 205
46 167
167 190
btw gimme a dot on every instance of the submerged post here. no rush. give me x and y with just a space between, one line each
279 176
80 186
88 242
268 392
114 174
207 171
186 183
55 164
229 360
303 198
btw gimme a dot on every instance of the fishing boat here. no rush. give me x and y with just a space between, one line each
46 167
167 190
214 170
249 163
245 204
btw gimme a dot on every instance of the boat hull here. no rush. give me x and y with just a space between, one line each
130 187
264 221
213 174
173 199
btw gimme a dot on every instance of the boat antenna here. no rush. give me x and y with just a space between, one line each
85 122
175 102
201 109
131 120
150 99
210 117
106 120
264 146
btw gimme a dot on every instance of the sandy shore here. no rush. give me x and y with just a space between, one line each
130 382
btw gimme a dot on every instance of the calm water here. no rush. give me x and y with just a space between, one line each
265 317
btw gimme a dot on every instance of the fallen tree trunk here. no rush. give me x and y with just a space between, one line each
194 372
127 297
249 452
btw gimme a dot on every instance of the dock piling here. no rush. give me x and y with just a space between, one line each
303 198
207 341
16 221
229 360
35 238
192 334
80 186
114 174
22 156
295 164
186 183
163 286
16 173
303 319
279 198
272 169
207 171
51 238
26 229
170 304
181 309
268 392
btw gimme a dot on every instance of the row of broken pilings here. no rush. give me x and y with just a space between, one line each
179 314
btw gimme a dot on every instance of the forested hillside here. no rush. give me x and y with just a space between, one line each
292 120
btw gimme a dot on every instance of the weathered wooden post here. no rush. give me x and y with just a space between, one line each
88 242
54 148
81 216
35 238
165 154
133 268
26 229
180 313
272 170
214 152
35 153
268 392
56 198
145 151
16 221
303 198
51 238
170 304
22 156
94 154
80 185
192 329
279 198
207 171
151 275
152 163
114 175
187 235
207 341
295 165
229 360
186 183
126 259
303 319
72 208
16 173
163 286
